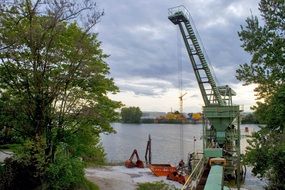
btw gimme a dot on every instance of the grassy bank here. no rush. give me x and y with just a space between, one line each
88 185
155 186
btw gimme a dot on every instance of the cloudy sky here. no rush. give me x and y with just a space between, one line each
145 50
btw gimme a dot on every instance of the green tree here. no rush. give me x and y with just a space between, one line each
54 84
265 41
249 118
131 115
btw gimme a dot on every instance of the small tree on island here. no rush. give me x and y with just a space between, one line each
131 115
54 85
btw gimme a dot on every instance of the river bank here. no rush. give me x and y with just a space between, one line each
166 149
166 144
120 177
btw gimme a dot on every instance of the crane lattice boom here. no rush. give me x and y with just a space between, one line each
211 93
221 130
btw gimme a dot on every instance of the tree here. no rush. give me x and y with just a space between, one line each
249 118
266 44
54 84
267 147
131 115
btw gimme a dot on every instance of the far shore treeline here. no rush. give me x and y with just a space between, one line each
135 115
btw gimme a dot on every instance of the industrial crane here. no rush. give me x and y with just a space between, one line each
221 128
181 102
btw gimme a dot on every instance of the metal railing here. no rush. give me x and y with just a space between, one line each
182 9
193 180
179 9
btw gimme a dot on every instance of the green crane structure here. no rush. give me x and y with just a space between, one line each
221 131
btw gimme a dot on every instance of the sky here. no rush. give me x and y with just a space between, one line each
146 49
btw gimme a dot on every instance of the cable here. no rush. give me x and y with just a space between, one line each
180 84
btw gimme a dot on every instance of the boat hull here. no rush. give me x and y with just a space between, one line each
162 169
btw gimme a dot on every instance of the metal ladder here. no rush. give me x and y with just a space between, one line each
206 82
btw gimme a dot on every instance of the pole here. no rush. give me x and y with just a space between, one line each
238 153
194 144
149 155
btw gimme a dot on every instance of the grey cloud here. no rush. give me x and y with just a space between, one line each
142 42
149 87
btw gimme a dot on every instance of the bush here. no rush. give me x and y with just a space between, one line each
156 186
16 175
28 169
65 173
24 170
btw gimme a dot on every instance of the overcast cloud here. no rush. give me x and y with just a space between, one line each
143 48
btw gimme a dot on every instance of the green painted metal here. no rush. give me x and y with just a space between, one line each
215 178
197 55
221 117
213 152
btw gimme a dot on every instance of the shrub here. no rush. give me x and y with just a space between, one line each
65 173
16 175
156 186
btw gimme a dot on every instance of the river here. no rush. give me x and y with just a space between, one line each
166 141
166 144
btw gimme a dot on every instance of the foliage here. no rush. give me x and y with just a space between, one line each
16 175
7 115
172 117
266 44
53 88
65 173
155 186
267 147
249 118
88 185
26 172
26 169
85 144
267 155
131 115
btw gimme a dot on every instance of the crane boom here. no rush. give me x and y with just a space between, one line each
211 93
221 128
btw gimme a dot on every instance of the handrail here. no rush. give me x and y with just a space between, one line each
181 12
180 8
184 10
189 179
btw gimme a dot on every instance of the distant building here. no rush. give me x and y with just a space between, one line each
152 115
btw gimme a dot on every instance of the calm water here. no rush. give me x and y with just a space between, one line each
166 146
166 142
